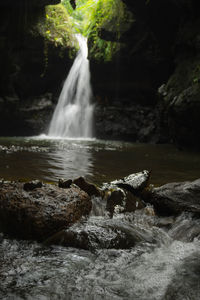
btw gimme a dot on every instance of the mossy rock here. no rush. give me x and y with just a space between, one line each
57 28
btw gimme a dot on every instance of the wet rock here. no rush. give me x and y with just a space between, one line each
40 212
102 234
134 182
65 184
123 195
186 228
175 198
111 122
120 200
30 186
89 188
115 198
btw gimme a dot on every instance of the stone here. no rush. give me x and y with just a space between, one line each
31 185
134 182
65 184
89 188
120 200
175 198
123 195
106 234
41 212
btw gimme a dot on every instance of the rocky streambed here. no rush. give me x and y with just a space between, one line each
59 214
125 239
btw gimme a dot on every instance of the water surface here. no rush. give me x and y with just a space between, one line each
99 161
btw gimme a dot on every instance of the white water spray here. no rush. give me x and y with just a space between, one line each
73 115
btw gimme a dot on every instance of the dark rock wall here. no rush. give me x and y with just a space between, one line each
162 47
22 50
25 75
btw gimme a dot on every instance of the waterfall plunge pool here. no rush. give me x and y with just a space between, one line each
163 266
98 160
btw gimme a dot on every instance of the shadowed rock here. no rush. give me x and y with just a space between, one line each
175 198
103 234
38 213
30 186
65 184
123 195
119 200
89 188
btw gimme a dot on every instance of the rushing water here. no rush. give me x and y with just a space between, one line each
160 267
164 264
74 112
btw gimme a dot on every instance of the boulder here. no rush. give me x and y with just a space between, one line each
89 188
134 182
103 234
32 185
175 198
65 184
120 200
36 213
123 195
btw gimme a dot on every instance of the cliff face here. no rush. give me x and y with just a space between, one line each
22 49
155 76
30 67
160 49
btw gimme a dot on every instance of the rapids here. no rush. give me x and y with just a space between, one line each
160 266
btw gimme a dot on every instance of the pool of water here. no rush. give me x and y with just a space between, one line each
97 160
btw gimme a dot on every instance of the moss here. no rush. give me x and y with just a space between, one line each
57 27
91 17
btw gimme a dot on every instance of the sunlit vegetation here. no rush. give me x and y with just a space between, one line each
59 26
90 18
93 16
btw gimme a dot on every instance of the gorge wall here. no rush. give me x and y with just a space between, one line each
149 92
27 80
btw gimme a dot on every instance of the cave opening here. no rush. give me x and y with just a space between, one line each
103 22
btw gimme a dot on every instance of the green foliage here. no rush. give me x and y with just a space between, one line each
58 26
91 16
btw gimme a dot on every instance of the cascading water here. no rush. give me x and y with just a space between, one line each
73 115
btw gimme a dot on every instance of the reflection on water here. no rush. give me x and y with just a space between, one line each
99 161
69 161
46 160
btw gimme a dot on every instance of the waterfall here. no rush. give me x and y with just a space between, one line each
73 115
